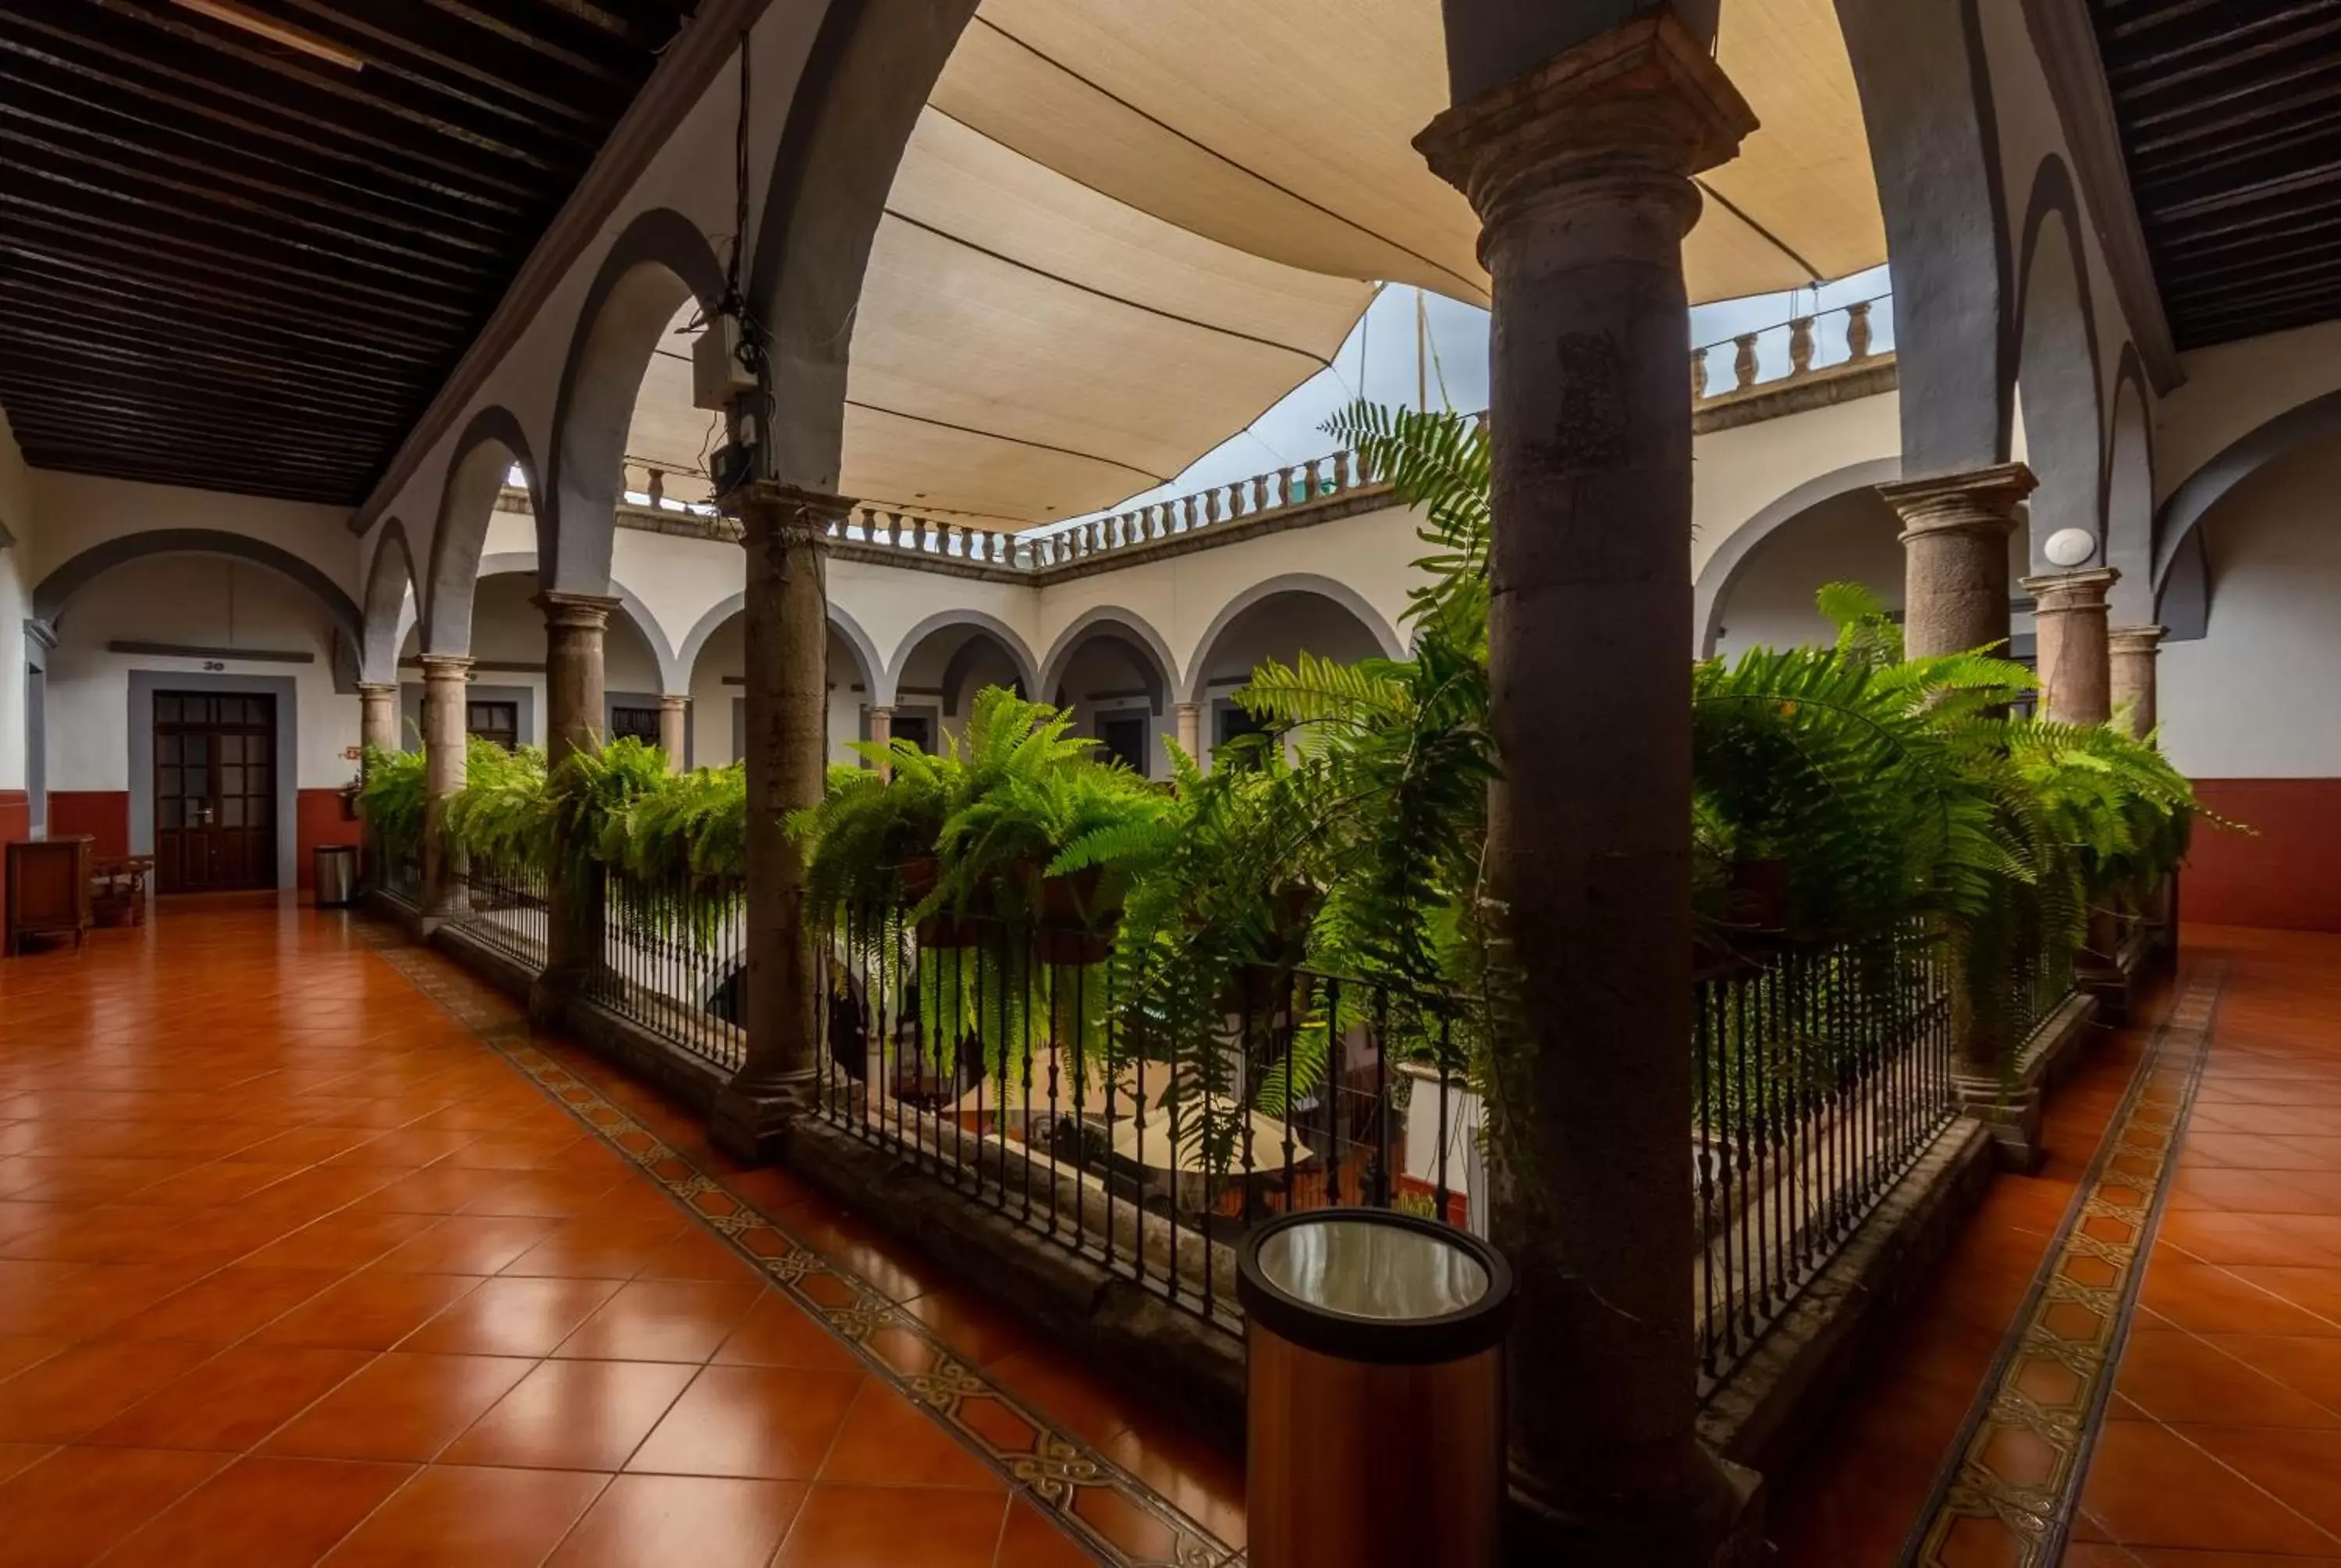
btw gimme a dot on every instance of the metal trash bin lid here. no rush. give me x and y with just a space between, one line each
1373 1285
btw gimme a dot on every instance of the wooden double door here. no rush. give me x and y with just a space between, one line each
214 791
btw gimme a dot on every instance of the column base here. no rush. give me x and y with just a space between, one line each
549 995
2110 985
1723 1528
752 1124
2010 1112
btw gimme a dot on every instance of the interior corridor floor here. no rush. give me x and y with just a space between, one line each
2132 1359
310 1253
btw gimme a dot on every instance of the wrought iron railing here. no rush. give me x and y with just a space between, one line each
502 905
1005 1061
2038 979
1822 1075
671 962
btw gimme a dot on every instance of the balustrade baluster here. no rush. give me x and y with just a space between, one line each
1800 346
1743 364
1698 373
1858 330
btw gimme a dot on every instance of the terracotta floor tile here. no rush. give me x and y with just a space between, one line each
513 1316
70 1508
895 1527
2209 1299
401 1406
232 1401
495 1518
2302 1467
771 1424
17 1456
2150 1486
682 1522
466 1244
574 1414
262 1512
663 1320
369 1311
84 1385
886 1441
976 1331
1201 1480
224 1307
776 1332
18 1351
1084 1403
2179 1378
340 1241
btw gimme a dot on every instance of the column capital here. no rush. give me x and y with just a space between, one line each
877 709
377 689
768 504
445 666
2064 592
1186 706
1643 99
567 611
1981 500
674 701
2136 638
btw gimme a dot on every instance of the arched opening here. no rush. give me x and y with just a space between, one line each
391 606
625 393
2130 503
2057 379
942 664
718 655
1279 622
1112 669
192 705
505 701
491 449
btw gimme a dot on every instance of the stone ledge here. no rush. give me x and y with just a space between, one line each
1766 1413
691 1080
1131 1335
2053 1050
506 973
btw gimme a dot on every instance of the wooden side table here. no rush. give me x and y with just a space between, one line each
118 889
47 888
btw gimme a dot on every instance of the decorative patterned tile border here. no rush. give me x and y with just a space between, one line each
2007 1491
1111 1513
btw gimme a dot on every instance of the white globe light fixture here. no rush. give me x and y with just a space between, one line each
2070 547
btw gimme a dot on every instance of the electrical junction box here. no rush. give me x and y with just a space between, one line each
717 376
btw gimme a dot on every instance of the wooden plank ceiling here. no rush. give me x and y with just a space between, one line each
2230 116
241 263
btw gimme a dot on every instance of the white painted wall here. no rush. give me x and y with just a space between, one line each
78 510
2260 696
1737 472
15 602
196 600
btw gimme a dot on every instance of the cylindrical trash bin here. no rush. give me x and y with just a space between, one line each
1376 1418
337 875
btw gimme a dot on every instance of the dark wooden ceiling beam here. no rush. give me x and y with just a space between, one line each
100 233
229 264
239 219
119 71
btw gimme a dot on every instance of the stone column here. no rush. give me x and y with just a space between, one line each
2132 651
575 713
378 715
1955 534
444 677
783 530
2076 671
1191 731
674 731
882 734
1580 172
2074 659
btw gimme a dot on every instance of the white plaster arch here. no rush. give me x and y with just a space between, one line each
1190 685
1020 654
694 641
389 603
673 674
1123 625
1739 546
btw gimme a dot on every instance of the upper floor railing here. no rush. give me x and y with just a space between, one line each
1830 340
1806 350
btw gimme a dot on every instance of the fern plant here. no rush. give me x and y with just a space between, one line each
393 798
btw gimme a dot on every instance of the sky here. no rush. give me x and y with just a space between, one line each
1380 359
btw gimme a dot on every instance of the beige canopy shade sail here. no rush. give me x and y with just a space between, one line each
1121 232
